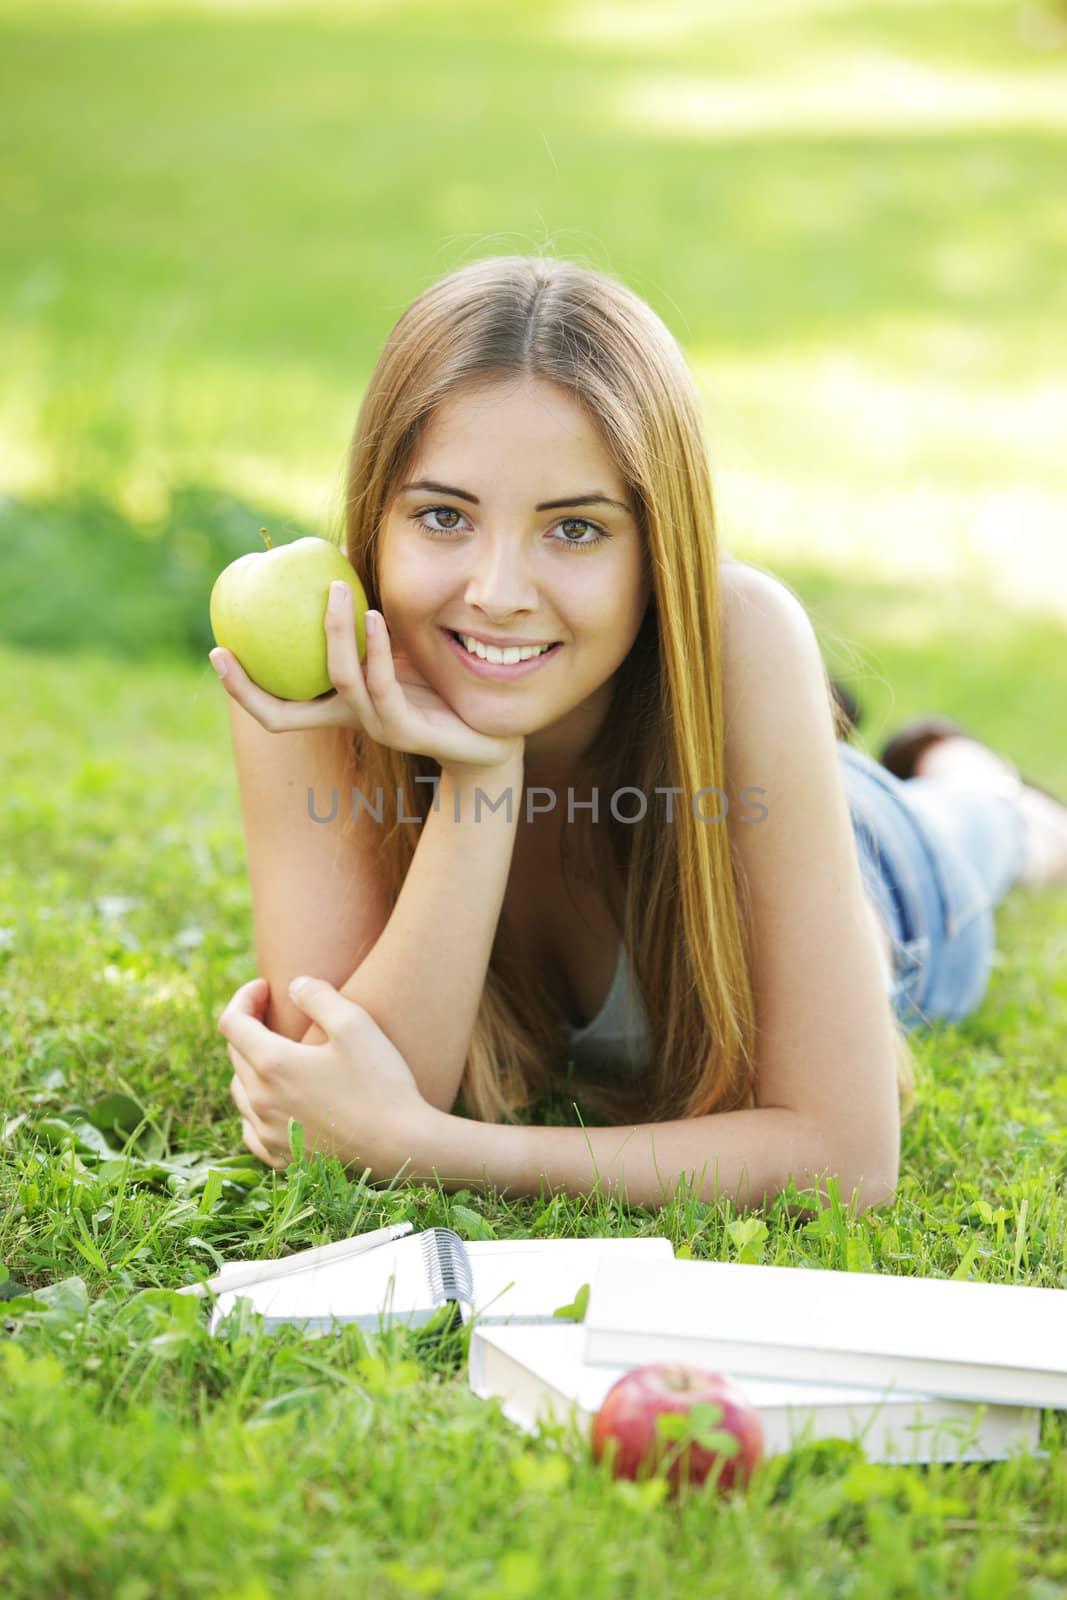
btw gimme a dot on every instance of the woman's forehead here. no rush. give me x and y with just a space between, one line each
473 441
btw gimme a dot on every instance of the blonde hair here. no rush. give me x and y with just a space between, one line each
680 908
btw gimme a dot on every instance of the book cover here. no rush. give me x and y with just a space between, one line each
539 1374
1002 1343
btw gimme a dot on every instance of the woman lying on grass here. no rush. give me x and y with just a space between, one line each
655 825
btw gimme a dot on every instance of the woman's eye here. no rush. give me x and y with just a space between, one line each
593 527
441 511
445 527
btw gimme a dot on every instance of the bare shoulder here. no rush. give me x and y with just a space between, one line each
776 710
752 594
762 621
776 705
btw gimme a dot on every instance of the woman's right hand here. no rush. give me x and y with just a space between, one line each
386 696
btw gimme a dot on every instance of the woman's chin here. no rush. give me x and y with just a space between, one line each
500 725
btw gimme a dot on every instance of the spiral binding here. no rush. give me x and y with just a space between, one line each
447 1264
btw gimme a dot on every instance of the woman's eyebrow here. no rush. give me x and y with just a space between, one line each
545 505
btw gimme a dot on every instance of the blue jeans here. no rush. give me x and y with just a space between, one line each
935 860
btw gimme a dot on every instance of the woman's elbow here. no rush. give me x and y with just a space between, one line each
871 1172
874 1197
874 1187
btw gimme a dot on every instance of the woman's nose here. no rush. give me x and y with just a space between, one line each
501 582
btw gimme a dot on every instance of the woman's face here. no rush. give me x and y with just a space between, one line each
497 543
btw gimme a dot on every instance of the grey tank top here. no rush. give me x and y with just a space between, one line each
607 1044
616 1043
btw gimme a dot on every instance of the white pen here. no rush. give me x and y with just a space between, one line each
261 1271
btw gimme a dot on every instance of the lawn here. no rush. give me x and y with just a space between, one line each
852 218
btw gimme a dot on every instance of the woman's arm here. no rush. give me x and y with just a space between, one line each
317 905
319 908
422 983
357 1097
747 1156
419 967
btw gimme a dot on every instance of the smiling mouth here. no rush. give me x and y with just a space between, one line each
551 645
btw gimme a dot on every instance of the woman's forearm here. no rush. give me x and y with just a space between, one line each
747 1156
423 980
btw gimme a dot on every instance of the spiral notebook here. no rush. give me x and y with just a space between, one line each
409 1280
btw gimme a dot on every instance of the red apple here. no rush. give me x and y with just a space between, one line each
625 1427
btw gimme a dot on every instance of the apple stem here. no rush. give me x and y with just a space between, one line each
266 536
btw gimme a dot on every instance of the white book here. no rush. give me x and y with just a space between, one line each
407 1280
539 1374
1002 1343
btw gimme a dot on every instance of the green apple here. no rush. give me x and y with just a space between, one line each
269 608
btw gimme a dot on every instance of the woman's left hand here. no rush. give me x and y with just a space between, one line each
355 1096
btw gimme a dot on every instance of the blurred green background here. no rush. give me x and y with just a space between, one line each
852 216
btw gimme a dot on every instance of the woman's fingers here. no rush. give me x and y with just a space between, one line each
387 703
347 674
372 689
273 714
397 709
248 1081
254 1143
263 1051
239 1096
249 1123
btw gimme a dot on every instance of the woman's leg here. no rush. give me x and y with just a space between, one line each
936 861
984 827
966 766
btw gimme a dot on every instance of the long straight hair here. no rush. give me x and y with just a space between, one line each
676 892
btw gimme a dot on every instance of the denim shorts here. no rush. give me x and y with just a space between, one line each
935 860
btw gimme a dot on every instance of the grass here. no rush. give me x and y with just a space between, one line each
213 215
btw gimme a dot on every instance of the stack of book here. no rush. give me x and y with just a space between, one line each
913 1369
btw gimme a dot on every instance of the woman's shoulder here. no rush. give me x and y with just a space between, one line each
755 592
768 645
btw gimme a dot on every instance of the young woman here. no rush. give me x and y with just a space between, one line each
641 864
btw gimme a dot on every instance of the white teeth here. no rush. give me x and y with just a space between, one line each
508 657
